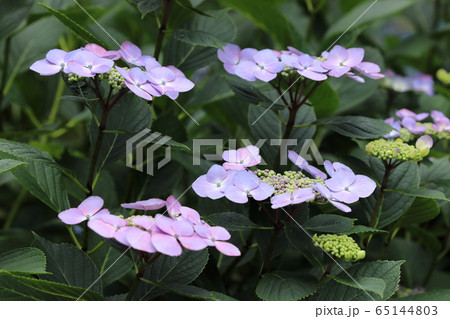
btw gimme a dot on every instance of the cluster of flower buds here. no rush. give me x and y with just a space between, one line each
417 82
236 182
146 78
166 235
399 150
341 246
251 64
408 125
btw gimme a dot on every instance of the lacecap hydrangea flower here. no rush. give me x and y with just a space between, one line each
182 228
265 65
146 78
237 182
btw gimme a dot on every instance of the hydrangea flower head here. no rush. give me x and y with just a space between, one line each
341 60
137 81
245 184
306 66
241 158
214 183
169 80
89 209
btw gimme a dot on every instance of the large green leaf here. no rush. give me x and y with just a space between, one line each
406 175
329 223
388 271
147 6
9 164
13 14
234 221
83 34
265 14
358 16
243 89
359 229
24 261
69 265
421 210
58 290
171 270
13 290
44 182
192 291
357 126
198 38
189 57
375 285
421 192
280 286
325 100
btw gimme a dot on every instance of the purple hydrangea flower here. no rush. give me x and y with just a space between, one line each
303 165
442 123
230 56
298 196
214 183
306 66
140 236
368 69
397 82
169 80
402 113
264 66
246 183
149 204
102 52
326 193
137 81
173 207
88 64
55 61
216 236
422 83
107 226
347 187
241 158
332 167
411 125
191 215
89 209
132 54
396 127
341 60
172 233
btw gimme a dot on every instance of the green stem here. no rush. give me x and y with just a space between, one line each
74 238
139 275
14 209
162 28
93 250
4 76
85 245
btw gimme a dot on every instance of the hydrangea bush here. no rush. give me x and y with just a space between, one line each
333 170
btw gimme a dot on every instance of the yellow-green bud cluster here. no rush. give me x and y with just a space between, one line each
114 78
288 182
443 76
341 246
74 77
394 150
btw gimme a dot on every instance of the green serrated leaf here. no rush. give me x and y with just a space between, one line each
83 34
234 221
281 286
328 223
171 270
57 289
198 38
358 229
357 126
23 261
388 271
9 164
147 6
421 192
192 291
69 265
372 284
434 295
247 91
